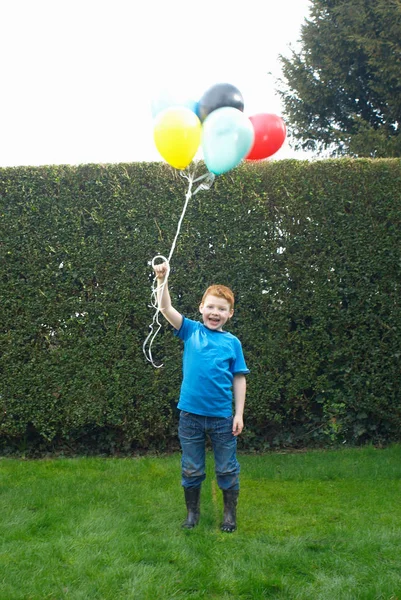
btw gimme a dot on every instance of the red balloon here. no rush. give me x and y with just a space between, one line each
270 133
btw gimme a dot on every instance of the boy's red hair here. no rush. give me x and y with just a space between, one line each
220 291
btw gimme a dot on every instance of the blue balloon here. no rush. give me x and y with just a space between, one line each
227 137
167 99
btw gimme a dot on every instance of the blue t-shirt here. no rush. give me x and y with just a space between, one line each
211 359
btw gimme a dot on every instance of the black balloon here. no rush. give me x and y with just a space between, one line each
219 95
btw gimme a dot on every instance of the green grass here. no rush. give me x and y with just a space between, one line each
314 525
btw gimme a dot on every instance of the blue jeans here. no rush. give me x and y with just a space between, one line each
192 432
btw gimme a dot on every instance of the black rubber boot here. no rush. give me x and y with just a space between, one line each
192 500
230 511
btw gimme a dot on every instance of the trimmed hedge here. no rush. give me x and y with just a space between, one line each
311 250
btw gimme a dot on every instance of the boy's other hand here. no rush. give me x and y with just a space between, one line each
238 425
161 270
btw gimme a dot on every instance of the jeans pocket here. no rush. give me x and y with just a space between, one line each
224 428
186 425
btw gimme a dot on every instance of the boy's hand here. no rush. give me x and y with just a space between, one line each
238 425
161 270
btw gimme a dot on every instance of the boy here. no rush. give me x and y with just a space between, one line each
214 370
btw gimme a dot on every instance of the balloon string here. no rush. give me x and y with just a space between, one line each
207 181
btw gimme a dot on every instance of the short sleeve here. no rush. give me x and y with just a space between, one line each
187 327
239 366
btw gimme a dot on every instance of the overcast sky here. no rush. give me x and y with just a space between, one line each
78 76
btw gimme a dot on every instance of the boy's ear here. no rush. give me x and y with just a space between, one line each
231 313
201 307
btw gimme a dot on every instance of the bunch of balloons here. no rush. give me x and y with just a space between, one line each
217 121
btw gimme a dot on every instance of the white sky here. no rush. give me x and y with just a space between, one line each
78 76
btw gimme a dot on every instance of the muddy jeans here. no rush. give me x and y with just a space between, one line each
192 432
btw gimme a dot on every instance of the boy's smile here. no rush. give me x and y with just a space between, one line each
215 312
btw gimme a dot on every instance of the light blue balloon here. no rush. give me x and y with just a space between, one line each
227 137
167 99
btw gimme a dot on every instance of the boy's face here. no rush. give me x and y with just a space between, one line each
215 312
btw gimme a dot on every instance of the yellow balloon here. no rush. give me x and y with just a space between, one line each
177 135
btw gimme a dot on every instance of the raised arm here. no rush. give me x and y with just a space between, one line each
163 297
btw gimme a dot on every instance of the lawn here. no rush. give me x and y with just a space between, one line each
322 525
